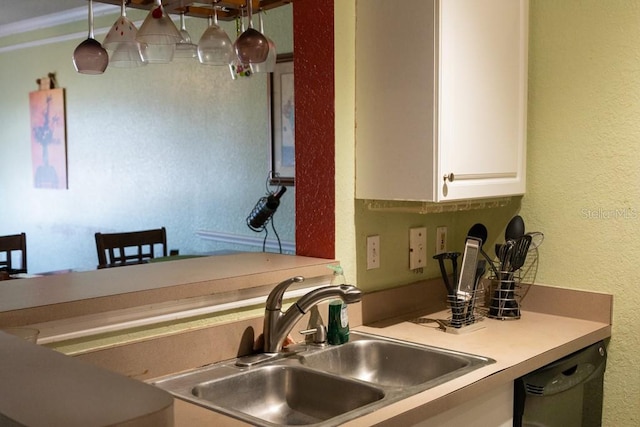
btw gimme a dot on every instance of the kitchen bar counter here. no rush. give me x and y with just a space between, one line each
43 299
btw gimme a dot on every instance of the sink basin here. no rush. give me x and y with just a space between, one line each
390 363
287 395
321 386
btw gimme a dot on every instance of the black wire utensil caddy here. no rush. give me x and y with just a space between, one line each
512 275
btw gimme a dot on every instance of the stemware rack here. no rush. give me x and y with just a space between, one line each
228 10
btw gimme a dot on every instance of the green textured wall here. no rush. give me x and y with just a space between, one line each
584 168
583 179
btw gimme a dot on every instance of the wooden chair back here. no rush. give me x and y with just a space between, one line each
11 244
135 247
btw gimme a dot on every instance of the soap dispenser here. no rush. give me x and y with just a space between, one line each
338 332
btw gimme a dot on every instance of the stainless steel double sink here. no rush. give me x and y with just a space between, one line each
312 385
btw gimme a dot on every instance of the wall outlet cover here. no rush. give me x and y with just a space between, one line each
373 252
417 248
441 239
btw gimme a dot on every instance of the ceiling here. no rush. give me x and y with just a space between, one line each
19 10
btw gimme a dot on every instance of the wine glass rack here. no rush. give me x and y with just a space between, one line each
228 10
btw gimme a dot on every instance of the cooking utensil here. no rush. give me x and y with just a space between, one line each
519 252
537 238
453 256
479 231
515 228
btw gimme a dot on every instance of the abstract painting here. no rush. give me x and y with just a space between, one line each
48 139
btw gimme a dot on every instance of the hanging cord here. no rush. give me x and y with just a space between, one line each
273 227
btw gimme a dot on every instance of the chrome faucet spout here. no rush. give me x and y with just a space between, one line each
278 325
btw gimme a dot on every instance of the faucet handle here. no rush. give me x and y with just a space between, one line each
319 333
274 300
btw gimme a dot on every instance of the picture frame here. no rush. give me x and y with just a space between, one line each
282 111
48 139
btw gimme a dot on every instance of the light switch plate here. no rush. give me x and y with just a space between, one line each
417 248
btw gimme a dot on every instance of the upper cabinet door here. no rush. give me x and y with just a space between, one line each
441 92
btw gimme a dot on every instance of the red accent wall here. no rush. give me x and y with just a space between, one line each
315 130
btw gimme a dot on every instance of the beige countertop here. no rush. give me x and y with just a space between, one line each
42 388
518 346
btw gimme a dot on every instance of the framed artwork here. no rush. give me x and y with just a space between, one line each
283 143
48 138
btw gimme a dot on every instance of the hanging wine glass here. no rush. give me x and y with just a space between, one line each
127 55
159 34
214 47
237 67
89 57
269 65
185 49
122 31
251 46
121 41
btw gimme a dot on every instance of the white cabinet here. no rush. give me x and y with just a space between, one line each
441 91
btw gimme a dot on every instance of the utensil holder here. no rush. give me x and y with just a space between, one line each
505 297
507 289
466 311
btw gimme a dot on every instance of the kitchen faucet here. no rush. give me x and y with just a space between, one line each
277 324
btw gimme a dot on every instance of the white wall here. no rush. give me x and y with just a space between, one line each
179 145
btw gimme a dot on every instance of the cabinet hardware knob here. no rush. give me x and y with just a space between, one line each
449 177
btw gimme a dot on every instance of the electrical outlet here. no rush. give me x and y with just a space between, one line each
441 240
373 252
417 248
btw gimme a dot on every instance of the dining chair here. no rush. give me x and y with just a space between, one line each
10 245
135 247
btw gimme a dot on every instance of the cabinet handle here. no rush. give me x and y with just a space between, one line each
449 177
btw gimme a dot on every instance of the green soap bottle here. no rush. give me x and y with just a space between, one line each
338 328
338 332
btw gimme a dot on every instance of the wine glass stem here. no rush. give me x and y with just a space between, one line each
91 36
250 12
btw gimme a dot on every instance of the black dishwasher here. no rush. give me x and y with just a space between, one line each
565 393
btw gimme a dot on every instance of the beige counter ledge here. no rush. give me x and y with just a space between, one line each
47 298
